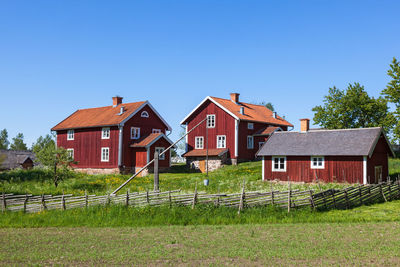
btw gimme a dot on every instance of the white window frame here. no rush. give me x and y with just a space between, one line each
144 114
71 152
202 142
250 144
156 131
105 157
322 166
70 135
211 118
105 133
279 169
223 139
160 150
135 132
250 126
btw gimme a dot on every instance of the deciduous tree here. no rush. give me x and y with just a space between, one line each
4 139
353 108
392 93
18 143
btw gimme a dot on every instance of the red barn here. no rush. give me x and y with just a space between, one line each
346 155
234 131
118 138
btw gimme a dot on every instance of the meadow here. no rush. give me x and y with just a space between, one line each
227 179
204 236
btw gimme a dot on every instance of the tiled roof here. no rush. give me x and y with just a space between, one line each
102 116
148 140
203 152
267 130
346 142
252 112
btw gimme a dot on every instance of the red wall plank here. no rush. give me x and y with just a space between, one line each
337 169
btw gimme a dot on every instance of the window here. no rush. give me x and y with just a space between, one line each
144 114
105 133
70 152
210 121
199 142
160 150
317 163
105 154
135 132
156 131
70 134
250 125
221 141
250 142
278 164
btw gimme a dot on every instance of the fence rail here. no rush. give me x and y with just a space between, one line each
330 199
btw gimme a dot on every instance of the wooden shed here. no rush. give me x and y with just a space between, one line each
345 155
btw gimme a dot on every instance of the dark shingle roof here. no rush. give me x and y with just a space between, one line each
11 159
346 142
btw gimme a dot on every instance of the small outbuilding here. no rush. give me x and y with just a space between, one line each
16 159
343 155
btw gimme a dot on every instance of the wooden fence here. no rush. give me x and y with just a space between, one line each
356 196
329 199
29 203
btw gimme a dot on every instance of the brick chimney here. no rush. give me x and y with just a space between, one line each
304 125
235 98
117 100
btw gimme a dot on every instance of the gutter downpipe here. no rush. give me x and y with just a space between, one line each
120 127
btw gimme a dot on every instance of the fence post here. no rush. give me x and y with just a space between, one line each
289 195
4 206
380 188
194 197
272 198
311 199
63 202
43 203
390 191
347 199
156 176
242 197
25 202
86 199
147 196
127 198
360 192
169 199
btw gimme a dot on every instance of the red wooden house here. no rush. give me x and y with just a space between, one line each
346 155
234 131
118 138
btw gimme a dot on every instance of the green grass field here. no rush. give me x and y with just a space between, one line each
205 236
365 244
226 179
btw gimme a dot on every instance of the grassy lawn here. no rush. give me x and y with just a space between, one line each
255 245
226 179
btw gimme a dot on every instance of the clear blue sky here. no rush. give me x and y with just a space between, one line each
60 56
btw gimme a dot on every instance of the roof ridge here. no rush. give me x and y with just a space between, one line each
111 106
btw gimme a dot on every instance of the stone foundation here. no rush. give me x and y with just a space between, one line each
198 163
98 170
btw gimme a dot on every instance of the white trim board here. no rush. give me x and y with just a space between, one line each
152 108
213 101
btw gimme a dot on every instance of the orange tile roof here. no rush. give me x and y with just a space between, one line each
102 116
267 130
252 112
203 152
146 140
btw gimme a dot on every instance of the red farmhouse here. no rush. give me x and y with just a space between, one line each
347 155
235 131
118 138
